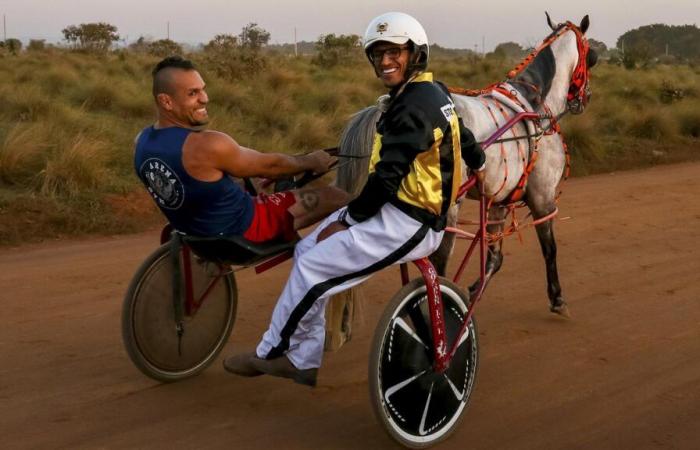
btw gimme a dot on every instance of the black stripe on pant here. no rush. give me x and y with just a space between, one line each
318 290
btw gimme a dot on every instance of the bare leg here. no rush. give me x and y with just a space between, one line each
314 204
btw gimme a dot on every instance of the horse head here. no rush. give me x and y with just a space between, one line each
558 69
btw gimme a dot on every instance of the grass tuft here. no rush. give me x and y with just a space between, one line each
75 168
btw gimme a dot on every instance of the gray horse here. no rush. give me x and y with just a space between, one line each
551 81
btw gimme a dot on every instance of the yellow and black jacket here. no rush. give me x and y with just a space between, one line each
416 160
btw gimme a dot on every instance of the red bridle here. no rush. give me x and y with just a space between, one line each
579 91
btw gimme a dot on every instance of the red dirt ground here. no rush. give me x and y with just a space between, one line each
623 372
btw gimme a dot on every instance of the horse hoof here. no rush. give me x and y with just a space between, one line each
560 309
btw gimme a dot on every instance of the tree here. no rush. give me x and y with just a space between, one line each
253 37
36 45
140 45
333 50
510 50
222 43
163 48
12 45
93 37
679 40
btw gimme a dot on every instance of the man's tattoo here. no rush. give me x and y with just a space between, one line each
309 200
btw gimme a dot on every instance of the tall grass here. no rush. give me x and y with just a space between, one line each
68 122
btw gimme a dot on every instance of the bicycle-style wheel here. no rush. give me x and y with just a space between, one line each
148 319
417 406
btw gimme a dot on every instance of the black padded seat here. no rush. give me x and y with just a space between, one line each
235 250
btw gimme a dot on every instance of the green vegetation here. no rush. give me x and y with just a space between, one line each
69 120
653 41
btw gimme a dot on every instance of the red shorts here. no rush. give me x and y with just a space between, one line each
271 218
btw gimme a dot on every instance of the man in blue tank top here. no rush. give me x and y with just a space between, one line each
189 170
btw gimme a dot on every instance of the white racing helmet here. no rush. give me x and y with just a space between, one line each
399 28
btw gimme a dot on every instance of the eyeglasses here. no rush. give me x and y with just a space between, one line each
377 54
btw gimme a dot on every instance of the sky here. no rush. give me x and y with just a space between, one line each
450 23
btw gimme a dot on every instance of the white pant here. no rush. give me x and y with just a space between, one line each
340 262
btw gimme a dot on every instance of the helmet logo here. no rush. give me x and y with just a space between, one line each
382 27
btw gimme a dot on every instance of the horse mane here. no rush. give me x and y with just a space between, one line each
357 137
540 72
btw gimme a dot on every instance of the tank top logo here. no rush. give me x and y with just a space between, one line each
162 183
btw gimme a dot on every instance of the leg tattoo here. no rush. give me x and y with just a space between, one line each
309 200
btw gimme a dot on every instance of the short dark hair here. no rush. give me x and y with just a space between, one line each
161 82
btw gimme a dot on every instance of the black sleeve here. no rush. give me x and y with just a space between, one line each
407 132
472 153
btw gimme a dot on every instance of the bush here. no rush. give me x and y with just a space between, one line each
654 124
22 153
14 46
36 45
164 48
76 167
333 50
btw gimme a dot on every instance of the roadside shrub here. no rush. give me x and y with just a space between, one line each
75 167
688 117
22 153
25 103
582 139
653 124
311 132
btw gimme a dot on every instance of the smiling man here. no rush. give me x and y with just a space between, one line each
188 170
400 215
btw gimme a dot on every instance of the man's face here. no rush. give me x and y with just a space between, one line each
390 62
188 99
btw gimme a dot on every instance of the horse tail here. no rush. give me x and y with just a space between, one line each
356 142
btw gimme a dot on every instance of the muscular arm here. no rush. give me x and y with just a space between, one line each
208 153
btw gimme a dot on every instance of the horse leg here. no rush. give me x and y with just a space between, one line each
494 256
545 234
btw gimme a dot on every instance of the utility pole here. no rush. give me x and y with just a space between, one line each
483 46
4 29
667 49
168 28
296 54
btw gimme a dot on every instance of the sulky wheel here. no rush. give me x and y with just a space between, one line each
148 321
417 406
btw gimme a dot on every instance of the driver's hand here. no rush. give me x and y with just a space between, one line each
480 175
319 161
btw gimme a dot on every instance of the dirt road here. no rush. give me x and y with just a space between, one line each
623 372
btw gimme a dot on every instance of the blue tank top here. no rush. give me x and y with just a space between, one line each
200 208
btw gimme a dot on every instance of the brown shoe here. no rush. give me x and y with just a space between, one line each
283 367
242 364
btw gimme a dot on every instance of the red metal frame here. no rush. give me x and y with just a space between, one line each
442 356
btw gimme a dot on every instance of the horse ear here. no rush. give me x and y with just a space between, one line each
549 21
584 24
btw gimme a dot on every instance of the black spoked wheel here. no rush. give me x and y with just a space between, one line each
148 320
417 406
